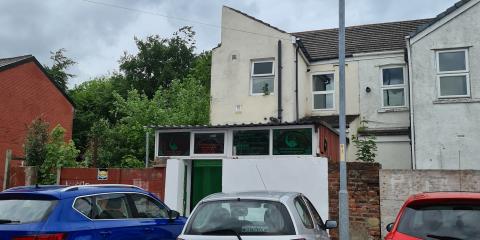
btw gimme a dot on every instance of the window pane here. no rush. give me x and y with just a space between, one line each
251 142
292 141
452 61
84 205
323 101
303 212
453 85
263 68
112 206
209 143
25 210
262 84
392 76
244 216
323 82
457 220
174 144
394 97
148 207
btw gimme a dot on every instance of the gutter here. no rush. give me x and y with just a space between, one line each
410 97
280 110
296 78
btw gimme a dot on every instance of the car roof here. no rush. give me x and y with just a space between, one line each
62 192
431 196
263 195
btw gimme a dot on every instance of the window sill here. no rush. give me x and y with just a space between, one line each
456 100
393 109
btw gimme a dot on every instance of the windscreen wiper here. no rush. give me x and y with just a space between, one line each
223 232
5 221
443 237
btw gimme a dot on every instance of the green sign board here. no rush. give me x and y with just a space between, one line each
174 144
292 141
251 142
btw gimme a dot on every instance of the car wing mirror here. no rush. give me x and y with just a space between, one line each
173 215
330 224
389 227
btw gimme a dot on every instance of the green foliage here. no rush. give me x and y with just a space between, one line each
164 83
58 154
35 146
94 101
366 148
130 161
58 71
159 61
202 68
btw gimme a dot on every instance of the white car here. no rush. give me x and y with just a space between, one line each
256 215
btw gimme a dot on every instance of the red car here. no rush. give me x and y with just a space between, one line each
438 216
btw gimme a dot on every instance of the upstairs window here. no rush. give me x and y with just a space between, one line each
323 91
262 77
393 87
453 73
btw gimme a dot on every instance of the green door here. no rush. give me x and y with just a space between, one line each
206 179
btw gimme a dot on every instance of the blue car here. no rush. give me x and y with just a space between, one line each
120 212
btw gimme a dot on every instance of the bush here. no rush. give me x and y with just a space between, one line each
35 142
130 161
58 154
366 148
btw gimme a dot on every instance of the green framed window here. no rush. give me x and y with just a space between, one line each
251 142
292 141
174 144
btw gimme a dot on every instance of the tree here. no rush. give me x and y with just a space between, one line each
58 154
201 70
159 61
93 101
58 71
35 142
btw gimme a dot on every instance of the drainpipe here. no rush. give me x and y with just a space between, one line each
280 81
410 99
296 78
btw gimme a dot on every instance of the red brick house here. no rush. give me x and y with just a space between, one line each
26 92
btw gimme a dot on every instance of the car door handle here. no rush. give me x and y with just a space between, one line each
148 229
105 233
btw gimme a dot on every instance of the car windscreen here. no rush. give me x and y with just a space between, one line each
441 221
20 210
245 217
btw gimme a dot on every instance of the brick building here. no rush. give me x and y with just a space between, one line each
26 92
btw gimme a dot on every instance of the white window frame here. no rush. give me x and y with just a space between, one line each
440 74
192 142
324 92
262 75
396 86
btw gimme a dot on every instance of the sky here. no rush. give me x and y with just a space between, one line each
96 33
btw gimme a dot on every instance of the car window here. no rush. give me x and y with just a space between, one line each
459 221
25 210
303 212
147 207
316 217
84 206
246 217
112 206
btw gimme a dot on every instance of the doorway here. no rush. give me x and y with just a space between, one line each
206 179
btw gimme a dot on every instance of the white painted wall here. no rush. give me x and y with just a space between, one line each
446 134
231 78
394 152
174 184
308 175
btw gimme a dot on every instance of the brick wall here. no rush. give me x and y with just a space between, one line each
364 199
26 93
